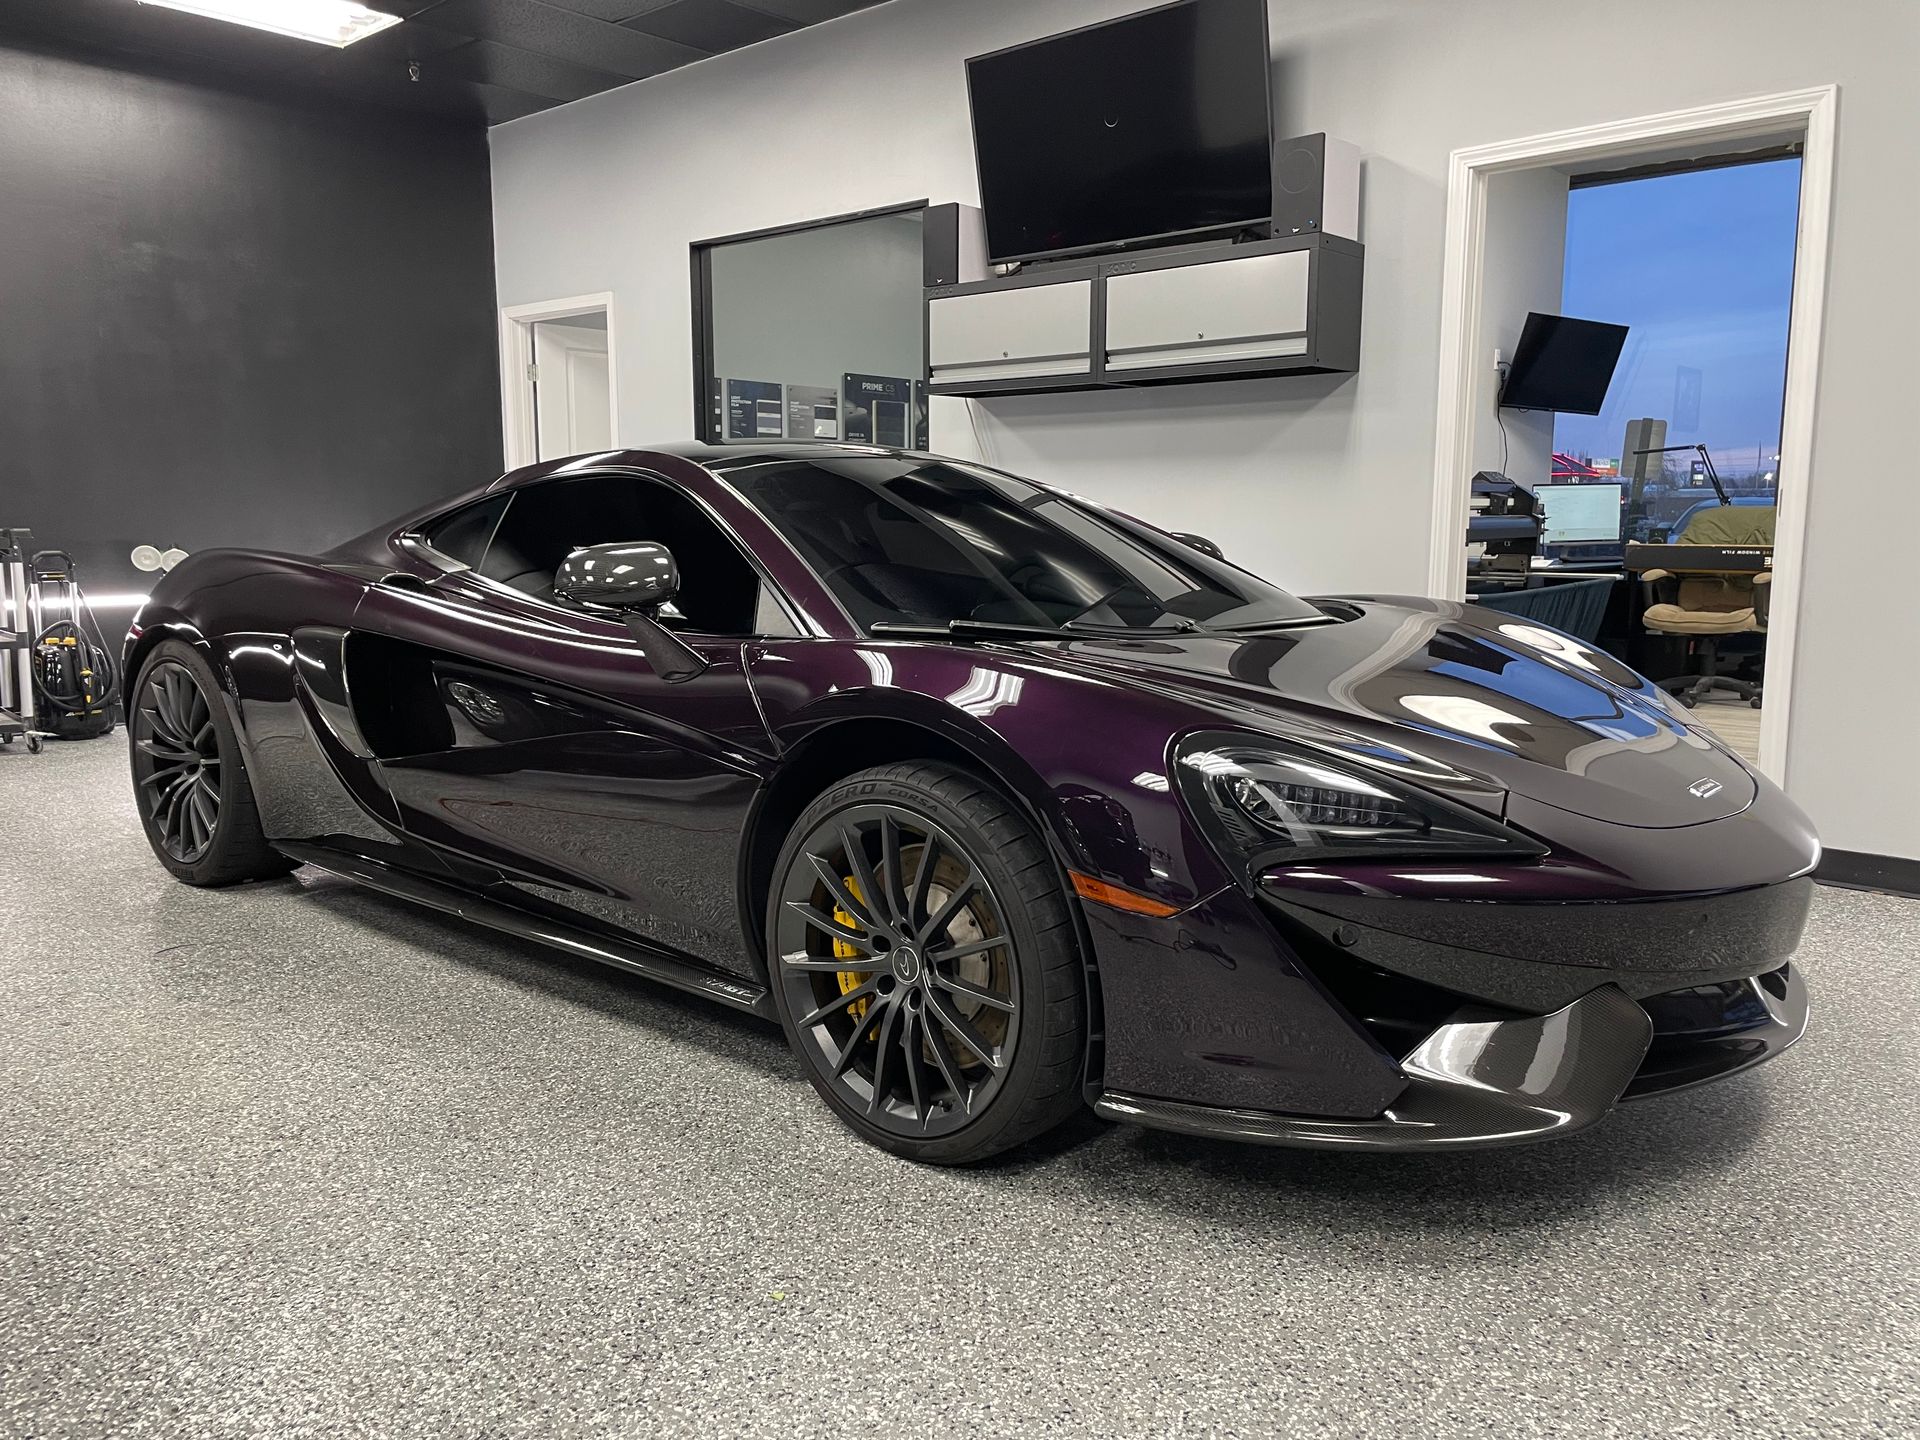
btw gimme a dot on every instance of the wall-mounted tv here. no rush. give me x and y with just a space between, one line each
1562 364
1148 128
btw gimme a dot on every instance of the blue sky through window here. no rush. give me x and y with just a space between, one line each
1700 266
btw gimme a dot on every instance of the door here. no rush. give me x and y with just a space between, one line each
522 732
573 412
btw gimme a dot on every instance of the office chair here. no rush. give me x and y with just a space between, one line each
1706 605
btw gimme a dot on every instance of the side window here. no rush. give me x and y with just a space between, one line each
720 593
464 535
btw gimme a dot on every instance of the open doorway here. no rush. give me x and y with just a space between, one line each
557 378
1602 224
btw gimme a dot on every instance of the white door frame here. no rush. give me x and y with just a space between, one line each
516 388
1464 350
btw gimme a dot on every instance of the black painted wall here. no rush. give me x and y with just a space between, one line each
228 321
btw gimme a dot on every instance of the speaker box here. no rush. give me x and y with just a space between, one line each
1316 187
953 244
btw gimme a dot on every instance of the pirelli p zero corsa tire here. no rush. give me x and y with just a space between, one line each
925 964
189 778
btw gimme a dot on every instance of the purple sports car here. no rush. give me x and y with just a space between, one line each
1002 804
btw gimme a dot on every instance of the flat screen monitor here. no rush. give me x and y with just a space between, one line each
1563 364
1150 127
1579 514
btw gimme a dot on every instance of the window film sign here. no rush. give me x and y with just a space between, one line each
755 410
813 413
884 410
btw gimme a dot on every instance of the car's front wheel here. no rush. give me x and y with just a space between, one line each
926 966
189 778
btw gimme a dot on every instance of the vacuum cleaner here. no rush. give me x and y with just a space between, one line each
75 679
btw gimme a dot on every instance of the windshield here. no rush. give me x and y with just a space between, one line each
903 541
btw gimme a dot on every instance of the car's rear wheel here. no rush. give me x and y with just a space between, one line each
925 964
189 778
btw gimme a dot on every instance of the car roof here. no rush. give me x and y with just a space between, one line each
718 458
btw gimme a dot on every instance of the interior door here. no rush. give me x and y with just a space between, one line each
572 401
524 733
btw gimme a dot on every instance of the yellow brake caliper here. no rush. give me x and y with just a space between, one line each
851 980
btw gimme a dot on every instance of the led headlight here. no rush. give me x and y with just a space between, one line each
1263 803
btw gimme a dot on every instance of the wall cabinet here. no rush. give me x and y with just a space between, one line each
1030 332
1288 306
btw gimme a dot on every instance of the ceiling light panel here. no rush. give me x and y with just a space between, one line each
328 22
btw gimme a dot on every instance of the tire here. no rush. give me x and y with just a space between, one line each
975 1046
189 778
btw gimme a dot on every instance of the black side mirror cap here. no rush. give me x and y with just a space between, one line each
633 575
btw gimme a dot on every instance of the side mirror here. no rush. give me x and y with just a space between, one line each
637 575
633 578
1200 543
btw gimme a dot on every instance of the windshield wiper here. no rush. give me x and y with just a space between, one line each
1301 622
987 629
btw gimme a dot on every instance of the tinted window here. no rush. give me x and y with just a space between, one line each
719 590
908 541
463 535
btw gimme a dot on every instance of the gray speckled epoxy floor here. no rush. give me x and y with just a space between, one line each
298 1160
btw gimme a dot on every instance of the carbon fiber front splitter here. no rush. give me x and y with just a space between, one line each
1488 1079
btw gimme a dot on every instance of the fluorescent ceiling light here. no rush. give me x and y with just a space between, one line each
331 22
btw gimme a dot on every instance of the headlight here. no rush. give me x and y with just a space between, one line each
1264 803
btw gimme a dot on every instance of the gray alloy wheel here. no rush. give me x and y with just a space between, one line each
923 962
189 777
176 762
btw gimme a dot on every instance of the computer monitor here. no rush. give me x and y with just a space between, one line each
1579 514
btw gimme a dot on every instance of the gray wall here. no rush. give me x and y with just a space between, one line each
1525 256
1322 483
225 321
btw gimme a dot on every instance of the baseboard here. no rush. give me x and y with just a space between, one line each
1857 870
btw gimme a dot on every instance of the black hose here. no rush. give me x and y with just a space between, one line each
88 655
93 653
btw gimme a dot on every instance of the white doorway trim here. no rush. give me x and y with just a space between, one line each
516 386
1463 350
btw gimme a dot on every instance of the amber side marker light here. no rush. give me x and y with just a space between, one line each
1088 888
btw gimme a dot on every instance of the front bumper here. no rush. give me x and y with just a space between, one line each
1481 1080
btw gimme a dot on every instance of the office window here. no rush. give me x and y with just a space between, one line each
813 333
1700 266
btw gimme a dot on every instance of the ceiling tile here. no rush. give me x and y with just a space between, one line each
522 70
563 34
809 12
711 24
390 47
613 11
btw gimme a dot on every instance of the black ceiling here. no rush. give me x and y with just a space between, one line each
481 60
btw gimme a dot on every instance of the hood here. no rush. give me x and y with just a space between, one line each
1525 709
